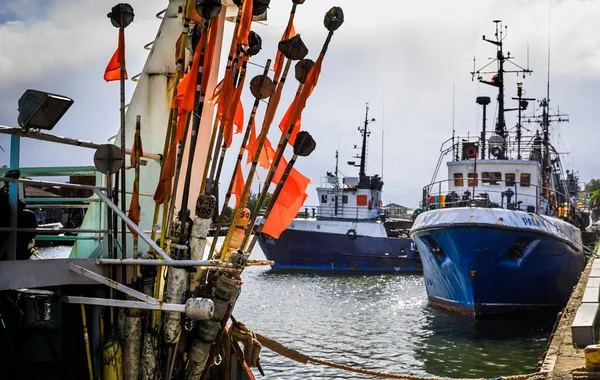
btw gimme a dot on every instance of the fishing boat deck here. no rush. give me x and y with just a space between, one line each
563 357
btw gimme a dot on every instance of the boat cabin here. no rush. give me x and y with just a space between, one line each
511 184
351 200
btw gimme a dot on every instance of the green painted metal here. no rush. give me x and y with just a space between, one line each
54 171
64 238
60 200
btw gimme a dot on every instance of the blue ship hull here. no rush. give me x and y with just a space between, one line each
485 270
309 250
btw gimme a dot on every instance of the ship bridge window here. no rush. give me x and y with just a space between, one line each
525 179
472 179
344 199
458 180
509 179
491 178
324 198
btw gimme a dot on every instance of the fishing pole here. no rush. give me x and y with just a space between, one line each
136 185
231 60
293 49
334 18
303 146
286 34
172 123
176 282
261 87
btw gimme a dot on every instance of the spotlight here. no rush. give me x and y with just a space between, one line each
41 110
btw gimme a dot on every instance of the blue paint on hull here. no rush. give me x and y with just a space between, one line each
479 270
307 250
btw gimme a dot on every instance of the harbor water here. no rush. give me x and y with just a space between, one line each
378 322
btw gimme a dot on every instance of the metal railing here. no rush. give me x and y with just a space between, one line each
13 229
476 196
342 212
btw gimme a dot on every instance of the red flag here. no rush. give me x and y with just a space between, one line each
245 23
238 184
288 203
113 70
288 33
293 116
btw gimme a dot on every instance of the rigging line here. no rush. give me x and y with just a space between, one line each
382 126
548 78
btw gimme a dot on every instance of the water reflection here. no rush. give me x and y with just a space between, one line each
502 345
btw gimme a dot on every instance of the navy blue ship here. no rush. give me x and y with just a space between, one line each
503 232
347 231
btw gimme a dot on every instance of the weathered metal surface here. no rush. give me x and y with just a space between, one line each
132 348
19 274
174 293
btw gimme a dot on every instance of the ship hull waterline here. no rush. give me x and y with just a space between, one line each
479 270
297 250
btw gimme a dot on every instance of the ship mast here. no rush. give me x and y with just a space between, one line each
498 79
363 154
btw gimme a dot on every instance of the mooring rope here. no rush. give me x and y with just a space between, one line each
255 341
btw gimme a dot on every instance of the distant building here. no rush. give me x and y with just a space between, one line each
394 210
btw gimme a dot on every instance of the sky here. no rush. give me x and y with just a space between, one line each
410 60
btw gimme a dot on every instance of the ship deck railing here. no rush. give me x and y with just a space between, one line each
99 233
437 195
340 213
511 147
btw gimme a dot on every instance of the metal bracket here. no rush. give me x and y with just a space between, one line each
113 284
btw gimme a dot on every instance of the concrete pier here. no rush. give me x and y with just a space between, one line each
575 329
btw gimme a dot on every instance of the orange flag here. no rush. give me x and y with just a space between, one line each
134 207
288 203
186 89
295 111
233 112
165 185
267 154
280 169
245 23
113 70
288 33
134 212
238 184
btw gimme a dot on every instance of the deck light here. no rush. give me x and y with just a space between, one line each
41 110
121 15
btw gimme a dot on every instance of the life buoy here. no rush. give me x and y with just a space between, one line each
351 234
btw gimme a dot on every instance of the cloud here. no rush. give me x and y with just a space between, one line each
402 57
